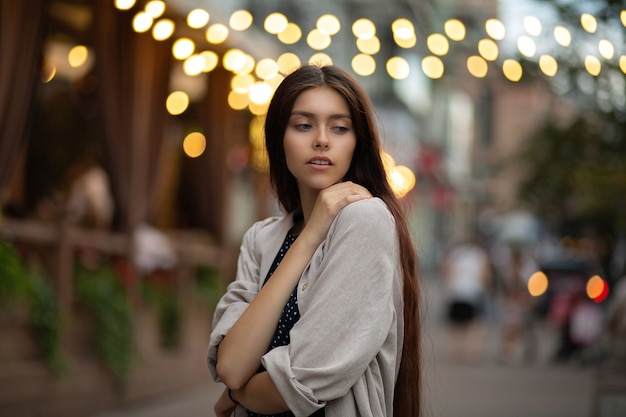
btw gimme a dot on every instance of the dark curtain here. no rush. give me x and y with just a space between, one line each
22 31
133 76
209 178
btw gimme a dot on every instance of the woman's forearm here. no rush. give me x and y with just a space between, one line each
239 354
260 395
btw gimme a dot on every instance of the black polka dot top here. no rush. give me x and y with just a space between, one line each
288 319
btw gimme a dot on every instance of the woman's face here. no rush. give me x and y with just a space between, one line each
319 140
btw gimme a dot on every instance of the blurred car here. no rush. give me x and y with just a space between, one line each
572 303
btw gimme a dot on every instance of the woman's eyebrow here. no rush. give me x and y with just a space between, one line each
313 115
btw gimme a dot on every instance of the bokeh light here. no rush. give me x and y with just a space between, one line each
488 49
597 289
533 26
477 66
321 59
512 70
238 101
363 28
548 65
77 56
328 24
562 36
318 40
403 29
400 178
124 4
183 48
606 48
454 29
433 67
537 284
194 65
405 43
234 59
155 8
142 22
241 83
288 62
197 18
210 60
363 65
177 102
495 29
240 20
275 23
593 65
194 144
266 68
370 46
437 44
589 22
291 34
163 29
260 92
216 33
526 46
398 68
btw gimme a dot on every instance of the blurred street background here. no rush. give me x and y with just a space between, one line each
486 388
132 162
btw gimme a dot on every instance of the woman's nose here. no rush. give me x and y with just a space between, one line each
321 141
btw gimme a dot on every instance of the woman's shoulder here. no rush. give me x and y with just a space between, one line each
371 215
372 210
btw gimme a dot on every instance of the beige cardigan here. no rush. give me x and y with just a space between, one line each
345 349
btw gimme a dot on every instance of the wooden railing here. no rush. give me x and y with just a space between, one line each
193 248
28 385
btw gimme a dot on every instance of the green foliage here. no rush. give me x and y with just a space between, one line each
208 286
578 172
15 279
101 291
45 321
17 284
158 291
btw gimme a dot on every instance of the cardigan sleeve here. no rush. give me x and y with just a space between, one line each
238 296
349 304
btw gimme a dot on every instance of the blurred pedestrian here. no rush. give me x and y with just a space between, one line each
322 318
517 337
616 321
467 278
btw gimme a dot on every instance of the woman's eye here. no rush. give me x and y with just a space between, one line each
302 126
340 129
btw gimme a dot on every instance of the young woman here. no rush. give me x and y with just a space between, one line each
322 319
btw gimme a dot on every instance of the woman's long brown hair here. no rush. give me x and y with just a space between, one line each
366 169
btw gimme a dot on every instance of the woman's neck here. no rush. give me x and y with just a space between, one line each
307 200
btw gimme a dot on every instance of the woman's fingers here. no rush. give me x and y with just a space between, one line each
337 196
329 202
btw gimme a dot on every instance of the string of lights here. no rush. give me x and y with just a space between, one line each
254 82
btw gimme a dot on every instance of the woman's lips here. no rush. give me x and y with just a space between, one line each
321 160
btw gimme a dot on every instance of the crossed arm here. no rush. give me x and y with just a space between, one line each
240 352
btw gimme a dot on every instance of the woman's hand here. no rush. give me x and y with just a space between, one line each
224 407
329 202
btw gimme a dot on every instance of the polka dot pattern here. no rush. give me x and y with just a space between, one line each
288 319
